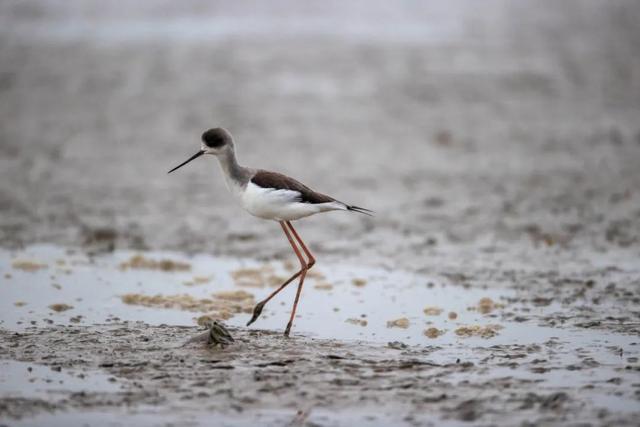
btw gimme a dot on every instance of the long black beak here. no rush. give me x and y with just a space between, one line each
195 156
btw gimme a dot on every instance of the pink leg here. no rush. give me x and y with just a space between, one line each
303 267
312 260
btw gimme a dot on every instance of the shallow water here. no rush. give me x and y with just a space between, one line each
93 286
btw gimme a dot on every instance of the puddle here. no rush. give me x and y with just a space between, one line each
23 379
341 302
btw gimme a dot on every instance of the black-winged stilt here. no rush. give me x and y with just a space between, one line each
270 195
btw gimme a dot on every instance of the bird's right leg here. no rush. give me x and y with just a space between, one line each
257 310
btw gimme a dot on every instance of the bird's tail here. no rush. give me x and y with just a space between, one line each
359 210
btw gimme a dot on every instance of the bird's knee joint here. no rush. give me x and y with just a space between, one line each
311 263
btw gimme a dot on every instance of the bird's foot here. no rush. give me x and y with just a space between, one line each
257 310
287 330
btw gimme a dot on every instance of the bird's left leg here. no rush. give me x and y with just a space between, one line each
257 310
305 267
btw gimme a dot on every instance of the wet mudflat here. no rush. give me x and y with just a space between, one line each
369 346
266 378
498 283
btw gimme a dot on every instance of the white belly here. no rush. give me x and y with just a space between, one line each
280 205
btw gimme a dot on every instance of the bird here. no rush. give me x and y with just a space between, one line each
271 196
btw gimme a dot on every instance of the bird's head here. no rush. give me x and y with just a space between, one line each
215 141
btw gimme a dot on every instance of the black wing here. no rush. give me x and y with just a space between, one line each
278 181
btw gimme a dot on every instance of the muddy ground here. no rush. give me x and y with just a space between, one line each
265 379
498 143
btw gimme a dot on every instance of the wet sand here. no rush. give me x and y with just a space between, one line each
498 144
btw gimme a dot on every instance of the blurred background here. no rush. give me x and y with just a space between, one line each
466 125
